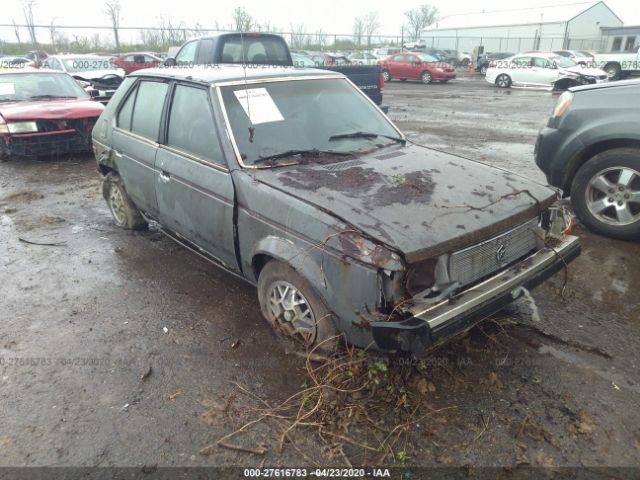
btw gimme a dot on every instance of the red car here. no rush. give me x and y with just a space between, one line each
44 112
130 62
416 66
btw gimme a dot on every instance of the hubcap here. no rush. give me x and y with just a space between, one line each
386 76
426 78
290 310
116 204
611 71
502 81
613 196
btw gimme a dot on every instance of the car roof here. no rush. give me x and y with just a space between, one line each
231 73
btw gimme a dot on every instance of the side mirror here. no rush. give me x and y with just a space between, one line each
170 62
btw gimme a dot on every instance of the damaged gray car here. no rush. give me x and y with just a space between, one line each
295 181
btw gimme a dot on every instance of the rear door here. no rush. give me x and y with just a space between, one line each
135 141
193 184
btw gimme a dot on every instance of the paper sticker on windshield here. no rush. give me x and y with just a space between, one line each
7 89
258 105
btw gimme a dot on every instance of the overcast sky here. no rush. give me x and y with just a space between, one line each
332 16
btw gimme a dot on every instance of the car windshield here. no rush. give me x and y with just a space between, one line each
427 58
300 115
31 86
563 61
86 64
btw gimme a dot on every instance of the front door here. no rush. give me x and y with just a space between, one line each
193 185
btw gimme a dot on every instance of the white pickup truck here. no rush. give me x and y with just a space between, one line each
620 64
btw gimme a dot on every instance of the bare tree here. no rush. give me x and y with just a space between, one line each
28 18
371 25
420 18
242 20
112 9
16 30
53 34
298 35
358 30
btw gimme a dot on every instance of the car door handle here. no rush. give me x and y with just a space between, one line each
164 176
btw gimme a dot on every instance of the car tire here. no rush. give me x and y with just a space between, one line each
605 193
612 70
386 75
124 212
465 62
483 70
503 80
315 329
426 78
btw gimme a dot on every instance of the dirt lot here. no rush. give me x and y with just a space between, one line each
121 348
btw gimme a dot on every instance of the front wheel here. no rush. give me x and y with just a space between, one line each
386 75
293 308
426 77
124 212
503 81
612 70
605 193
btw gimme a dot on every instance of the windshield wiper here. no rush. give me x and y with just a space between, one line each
51 96
369 135
312 152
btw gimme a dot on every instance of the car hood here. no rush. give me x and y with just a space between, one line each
97 74
419 202
590 72
50 109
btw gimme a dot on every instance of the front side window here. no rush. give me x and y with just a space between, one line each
301 115
191 126
398 58
617 44
205 53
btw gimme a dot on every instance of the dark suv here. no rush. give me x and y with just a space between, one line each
590 149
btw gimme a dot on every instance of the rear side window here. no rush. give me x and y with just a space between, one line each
142 110
191 126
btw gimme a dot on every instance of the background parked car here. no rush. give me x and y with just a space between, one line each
363 58
301 60
17 62
330 59
130 62
416 66
43 112
578 56
541 70
486 59
93 72
590 149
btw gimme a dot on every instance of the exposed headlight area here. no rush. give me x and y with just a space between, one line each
563 103
19 127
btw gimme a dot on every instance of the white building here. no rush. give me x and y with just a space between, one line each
575 27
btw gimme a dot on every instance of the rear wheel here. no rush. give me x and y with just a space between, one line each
294 309
483 69
386 75
503 80
605 193
124 212
426 77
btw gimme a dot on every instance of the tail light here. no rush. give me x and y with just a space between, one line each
381 82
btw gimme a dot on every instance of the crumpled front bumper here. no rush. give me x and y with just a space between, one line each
433 324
